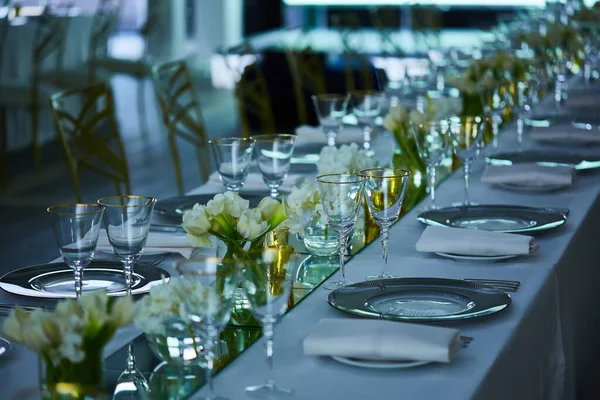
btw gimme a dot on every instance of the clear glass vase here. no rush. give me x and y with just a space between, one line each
179 346
72 381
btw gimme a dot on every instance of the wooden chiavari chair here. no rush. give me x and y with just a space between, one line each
88 129
182 115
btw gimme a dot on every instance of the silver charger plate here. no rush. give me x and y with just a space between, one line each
496 218
175 207
545 158
5 347
378 364
528 188
56 281
419 299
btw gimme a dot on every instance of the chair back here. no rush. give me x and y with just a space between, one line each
182 114
104 25
153 28
49 41
87 126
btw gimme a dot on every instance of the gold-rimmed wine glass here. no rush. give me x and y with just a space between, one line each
367 105
233 157
76 228
467 139
341 197
384 192
127 221
331 110
274 156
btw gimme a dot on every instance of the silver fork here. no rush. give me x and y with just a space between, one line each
506 285
465 341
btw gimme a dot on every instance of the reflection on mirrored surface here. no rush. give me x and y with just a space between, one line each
131 384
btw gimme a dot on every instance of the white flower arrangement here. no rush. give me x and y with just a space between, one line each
229 217
166 301
344 159
303 207
74 330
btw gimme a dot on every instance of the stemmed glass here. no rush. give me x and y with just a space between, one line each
341 196
76 228
274 155
367 106
331 109
521 104
467 135
212 284
384 191
268 284
431 140
494 102
131 383
233 157
127 222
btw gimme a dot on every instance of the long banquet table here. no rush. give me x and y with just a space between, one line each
544 346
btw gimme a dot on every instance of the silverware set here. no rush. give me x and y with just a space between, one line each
465 341
506 285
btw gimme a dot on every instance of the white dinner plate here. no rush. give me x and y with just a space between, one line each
529 188
380 364
463 257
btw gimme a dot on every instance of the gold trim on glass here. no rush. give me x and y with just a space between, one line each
273 137
361 179
102 201
53 209
222 140
398 173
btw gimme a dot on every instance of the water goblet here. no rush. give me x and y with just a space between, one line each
431 140
467 135
76 228
494 102
127 222
233 157
384 192
274 155
520 103
211 284
268 284
131 383
331 109
367 106
341 196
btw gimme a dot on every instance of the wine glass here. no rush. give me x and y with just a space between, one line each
431 140
341 196
367 106
520 103
467 135
384 191
274 155
76 228
127 222
131 383
494 102
211 284
331 109
268 284
233 157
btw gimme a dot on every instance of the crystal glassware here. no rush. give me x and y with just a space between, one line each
127 221
431 140
367 106
521 104
331 109
233 157
274 156
494 102
76 228
467 135
384 192
268 284
131 383
341 197
209 310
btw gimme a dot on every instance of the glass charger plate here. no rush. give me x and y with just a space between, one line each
547 158
55 280
174 207
497 218
375 364
419 299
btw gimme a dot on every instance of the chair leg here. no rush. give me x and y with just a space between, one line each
141 105
176 163
3 149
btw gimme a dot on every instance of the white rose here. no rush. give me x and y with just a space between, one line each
250 225
235 205
196 224
268 207
216 206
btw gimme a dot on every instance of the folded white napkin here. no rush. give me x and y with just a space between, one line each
157 241
472 242
254 181
315 135
528 174
382 340
565 132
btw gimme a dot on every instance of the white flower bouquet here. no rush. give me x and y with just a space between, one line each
71 338
346 159
229 218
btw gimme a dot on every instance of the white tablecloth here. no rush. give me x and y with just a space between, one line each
16 69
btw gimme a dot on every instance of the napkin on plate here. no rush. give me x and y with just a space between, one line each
314 135
255 182
528 174
382 340
473 242
157 241
565 133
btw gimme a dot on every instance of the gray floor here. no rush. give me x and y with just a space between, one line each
26 236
